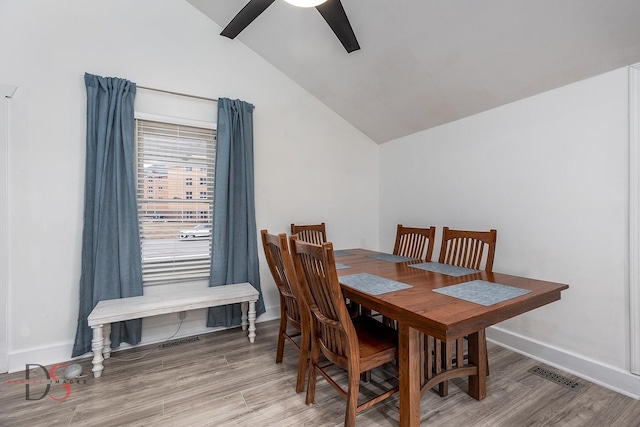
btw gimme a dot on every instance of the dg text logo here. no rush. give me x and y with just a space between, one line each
34 383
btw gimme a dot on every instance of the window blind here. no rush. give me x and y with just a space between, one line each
175 172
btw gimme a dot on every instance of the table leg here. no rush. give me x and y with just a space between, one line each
243 309
96 347
106 349
409 370
477 357
252 321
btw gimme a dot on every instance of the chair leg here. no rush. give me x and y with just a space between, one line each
281 331
443 387
311 386
302 359
352 398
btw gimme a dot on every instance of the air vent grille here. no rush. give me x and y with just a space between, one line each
552 376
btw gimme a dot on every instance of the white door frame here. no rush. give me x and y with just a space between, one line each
634 217
6 92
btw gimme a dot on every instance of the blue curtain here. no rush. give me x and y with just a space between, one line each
111 263
234 256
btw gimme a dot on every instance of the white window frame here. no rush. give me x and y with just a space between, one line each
151 277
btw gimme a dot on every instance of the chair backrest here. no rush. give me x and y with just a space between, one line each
467 248
415 242
331 324
276 250
313 233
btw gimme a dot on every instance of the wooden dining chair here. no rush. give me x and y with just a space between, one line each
415 242
470 249
314 233
467 248
356 345
293 311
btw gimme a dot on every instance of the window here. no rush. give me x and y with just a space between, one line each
175 231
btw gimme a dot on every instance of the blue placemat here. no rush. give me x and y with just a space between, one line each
374 285
482 292
449 270
341 253
389 257
341 266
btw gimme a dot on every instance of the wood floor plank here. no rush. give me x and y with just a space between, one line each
204 412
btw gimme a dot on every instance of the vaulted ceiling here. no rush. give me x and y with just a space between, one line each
423 63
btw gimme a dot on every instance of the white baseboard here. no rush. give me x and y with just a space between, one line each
607 376
153 333
42 356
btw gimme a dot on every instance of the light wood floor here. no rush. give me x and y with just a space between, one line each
222 380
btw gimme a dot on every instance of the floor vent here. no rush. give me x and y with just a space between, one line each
179 341
558 379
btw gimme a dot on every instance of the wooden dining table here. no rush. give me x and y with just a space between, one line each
418 309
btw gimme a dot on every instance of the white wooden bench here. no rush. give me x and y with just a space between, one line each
117 310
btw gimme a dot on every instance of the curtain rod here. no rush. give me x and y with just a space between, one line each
177 93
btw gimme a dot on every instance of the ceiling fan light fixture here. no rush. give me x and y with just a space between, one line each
332 12
305 3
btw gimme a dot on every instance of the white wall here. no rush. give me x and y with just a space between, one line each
309 162
550 173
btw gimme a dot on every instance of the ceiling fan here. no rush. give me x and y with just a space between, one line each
331 10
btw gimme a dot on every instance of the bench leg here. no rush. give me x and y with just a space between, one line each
243 308
106 349
252 321
96 347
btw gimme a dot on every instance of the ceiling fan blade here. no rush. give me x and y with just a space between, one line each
333 12
249 12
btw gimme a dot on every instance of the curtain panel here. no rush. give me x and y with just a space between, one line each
111 263
234 253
